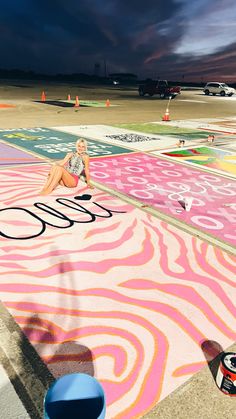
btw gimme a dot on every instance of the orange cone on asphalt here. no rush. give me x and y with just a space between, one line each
166 116
76 101
107 103
43 97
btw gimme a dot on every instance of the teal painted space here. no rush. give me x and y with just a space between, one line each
54 144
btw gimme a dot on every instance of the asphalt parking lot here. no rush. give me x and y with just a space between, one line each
129 107
130 299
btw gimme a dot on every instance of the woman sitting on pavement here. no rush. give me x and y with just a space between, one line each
67 172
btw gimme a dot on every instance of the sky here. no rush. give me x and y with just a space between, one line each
191 40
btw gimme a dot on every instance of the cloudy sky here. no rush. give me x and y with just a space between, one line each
172 39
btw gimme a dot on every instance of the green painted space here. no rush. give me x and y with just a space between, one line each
87 103
216 159
94 104
71 103
186 133
53 144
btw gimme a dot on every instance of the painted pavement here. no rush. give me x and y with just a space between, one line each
214 158
82 269
95 104
224 130
214 124
71 103
225 141
11 155
141 141
228 124
165 184
120 136
54 144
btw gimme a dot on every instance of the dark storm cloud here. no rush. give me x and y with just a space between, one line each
172 39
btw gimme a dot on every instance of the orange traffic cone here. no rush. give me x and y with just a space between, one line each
43 97
68 97
76 101
166 116
107 103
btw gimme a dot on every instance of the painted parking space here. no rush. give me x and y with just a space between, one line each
98 285
166 129
145 139
54 144
163 184
193 132
12 155
96 103
121 136
227 126
228 123
216 159
72 103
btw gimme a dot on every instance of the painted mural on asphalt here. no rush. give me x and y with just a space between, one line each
211 157
114 286
12 155
163 184
54 144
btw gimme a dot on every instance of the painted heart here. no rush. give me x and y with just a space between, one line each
85 197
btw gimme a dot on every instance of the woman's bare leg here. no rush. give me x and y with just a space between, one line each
58 175
48 180
53 180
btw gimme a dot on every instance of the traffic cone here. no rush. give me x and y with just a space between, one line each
166 116
43 97
107 103
76 102
68 97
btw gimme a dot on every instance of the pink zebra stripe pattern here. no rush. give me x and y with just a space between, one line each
128 296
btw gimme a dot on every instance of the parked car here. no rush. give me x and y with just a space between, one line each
158 87
221 89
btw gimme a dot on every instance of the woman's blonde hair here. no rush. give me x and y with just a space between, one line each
82 140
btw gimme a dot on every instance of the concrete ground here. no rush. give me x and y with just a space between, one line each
24 377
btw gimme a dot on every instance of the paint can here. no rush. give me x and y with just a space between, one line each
226 375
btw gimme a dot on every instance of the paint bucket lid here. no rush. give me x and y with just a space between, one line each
229 361
75 395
